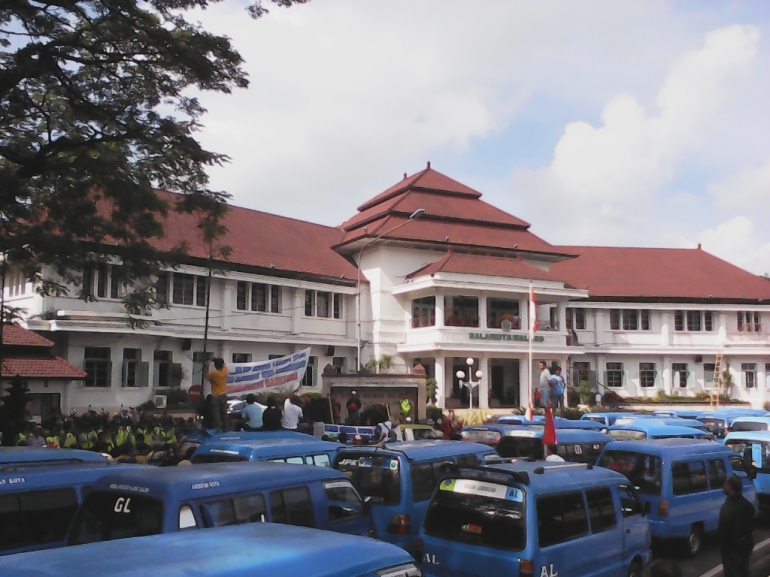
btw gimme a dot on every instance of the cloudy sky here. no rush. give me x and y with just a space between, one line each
642 123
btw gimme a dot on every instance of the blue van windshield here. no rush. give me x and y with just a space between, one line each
375 476
644 471
478 513
108 515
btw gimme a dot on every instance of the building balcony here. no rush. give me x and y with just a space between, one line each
427 339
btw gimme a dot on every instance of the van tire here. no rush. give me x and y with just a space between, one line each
634 570
694 540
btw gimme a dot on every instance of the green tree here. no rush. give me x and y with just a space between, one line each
96 112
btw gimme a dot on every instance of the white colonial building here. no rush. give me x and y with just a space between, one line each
442 277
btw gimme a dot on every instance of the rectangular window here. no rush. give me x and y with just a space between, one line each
241 357
708 374
337 306
322 304
275 299
161 288
749 375
424 481
680 374
163 361
292 507
630 320
344 502
200 291
708 321
98 366
561 518
250 509
645 320
116 282
689 477
647 374
309 379
679 320
424 312
241 295
132 368
500 311
309 303
36 517
339 364
614 375
757 322
601 509
580 319
740 321
87 289
614 320
218 513
259 297
102 280
693 321
717 473
461 311
184 289
749 322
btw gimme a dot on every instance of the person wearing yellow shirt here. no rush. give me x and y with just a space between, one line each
218 380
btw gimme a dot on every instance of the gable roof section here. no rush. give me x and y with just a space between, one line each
41 368
485 266
14 335
625 273
263 240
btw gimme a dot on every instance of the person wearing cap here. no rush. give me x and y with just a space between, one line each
218 380
252 414
353 406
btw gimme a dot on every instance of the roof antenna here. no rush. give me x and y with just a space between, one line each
699 246
429 164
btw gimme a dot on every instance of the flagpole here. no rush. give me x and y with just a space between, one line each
531 338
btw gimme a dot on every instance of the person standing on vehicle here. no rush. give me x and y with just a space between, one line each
544 386
252 414
353 406
218 380
292 413
557 390
271 418
735 531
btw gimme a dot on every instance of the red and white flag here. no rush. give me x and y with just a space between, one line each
549 432
532 310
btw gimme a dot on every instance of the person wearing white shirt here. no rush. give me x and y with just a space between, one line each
551 456
544 385
292 413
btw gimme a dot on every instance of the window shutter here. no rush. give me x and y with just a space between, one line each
142 374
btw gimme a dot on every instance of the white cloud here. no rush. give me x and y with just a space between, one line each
736 241
750 188
627 158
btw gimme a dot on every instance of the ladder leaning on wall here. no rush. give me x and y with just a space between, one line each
716 385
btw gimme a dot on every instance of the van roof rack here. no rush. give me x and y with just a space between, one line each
542 470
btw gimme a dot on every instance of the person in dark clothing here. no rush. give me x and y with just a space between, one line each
735 532
353 406
271 418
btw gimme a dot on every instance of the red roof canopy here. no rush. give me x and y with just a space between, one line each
659 273
40 368
14 335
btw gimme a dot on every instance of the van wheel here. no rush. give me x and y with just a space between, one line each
694 540
634 570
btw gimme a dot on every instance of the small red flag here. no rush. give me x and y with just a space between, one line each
549 433
528 412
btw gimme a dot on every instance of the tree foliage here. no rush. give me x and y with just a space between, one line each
96 111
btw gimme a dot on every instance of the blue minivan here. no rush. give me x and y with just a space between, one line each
318 453
682 480
28 456
534 519
572 445
754 445
158 500
245 550
399 478
39 500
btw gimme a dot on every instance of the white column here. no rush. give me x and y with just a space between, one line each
523 377
439 310
296 300
665 329
482 312
761 384
524 314
667 376
562 307
484 384
227 303
438 370
598 326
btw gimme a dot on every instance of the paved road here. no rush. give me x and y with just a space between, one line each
709 558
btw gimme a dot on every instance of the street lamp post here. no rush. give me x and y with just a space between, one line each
470 383
414 216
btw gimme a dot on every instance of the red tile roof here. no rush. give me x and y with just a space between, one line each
263 240
41 368
481 265
14 335
659 273
427 179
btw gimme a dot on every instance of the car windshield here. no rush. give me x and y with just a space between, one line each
748 426
485 436
478 513
375 476
108 515
644 471
520 448
760 452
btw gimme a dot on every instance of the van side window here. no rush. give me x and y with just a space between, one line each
561 518
344 501
295 460
218 513
423 481
46 516
468 461
689 477
321 460
737 462
601 509
250 509
717 473
186 517
629 502
292 507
